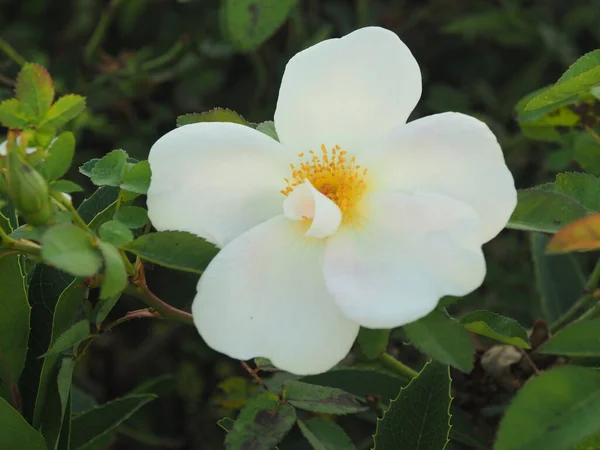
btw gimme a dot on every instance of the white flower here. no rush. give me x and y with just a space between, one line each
355 218
4 144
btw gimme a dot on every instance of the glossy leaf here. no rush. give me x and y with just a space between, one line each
419 418
137 178
109 171
93 425
444 339
541 210
580 236
262 423
214 115
17 433
324 434
132 216
320 399
70 249
65 109
495 326
559 279
553 411
175 249
60 155
578 340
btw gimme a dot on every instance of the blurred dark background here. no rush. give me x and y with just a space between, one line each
141 63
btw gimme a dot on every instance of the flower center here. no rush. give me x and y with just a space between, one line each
334 175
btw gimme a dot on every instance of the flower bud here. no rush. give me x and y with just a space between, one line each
28 191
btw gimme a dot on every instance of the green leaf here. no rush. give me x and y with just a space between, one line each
34 89
559 279
115 233
261 424
56 416
583 75
91 426
86 167
110 169
495 326
60 155
70 249
553 411
251 22
582 187
14 323
115 273
175 249
103 309
578 340
12 115
226 423
372 343
99 208
444 339
419 418
18 434
321 399
587 153
132 216
65 186
77 333
547 211
214 115
64 110
268 128
137 178
324 434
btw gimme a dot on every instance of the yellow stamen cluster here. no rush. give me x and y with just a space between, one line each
334 175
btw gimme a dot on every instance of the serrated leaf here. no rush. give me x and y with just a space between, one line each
75 334
261 424
419 418
35 89
372 343
86 167
251 22
115 233
553 411
12 116
14 323
495 326
582 235
60 155
91 426
109 171
325 434
65 186
268 128
99 208
132 216
115 273
583 187
321 399
444 339
70 249
559 279
214 115
583 75
546 211
21 434
580 339
175 249
64 110
137 178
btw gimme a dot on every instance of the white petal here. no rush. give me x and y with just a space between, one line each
347 91
413 250
305 202
215 180
452 154
264 295
3 145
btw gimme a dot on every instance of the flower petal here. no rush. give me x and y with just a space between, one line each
413 250
264 295
216 180
305 202
452 154
347 91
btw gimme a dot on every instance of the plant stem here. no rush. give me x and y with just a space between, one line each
583 304
362 12
391 363
592 133
21 245
60 198
9 51
100 31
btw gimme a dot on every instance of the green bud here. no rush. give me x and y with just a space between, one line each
28 191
